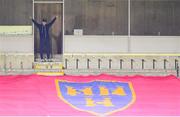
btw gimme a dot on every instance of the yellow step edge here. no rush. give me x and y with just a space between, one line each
41 66
50 73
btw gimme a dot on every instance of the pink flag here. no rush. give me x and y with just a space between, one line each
89 95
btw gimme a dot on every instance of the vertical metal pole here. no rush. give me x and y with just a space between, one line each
33 28
63 28
10 65
132 63
129 25
121 63
88 63
176 63
154 66
77 63
66 63
47 66
110 61
51 66
143 63
5 67
177 67
177 70
99 63
21 65
165 61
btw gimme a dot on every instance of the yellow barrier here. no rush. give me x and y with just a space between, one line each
51 73
48 66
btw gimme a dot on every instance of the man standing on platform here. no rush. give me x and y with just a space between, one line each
45 43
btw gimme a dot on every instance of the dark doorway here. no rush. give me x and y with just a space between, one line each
49 11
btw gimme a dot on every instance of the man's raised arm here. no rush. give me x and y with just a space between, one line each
52 21
36 24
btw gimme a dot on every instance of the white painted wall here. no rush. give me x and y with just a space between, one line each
97 44
91 44
155 44
120 44
16 43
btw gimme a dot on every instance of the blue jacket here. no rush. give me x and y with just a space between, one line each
44 30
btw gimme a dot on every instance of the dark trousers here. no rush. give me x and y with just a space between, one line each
45 48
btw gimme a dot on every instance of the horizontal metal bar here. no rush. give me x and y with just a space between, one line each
49 2
123 54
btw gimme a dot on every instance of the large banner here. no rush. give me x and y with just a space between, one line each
102 95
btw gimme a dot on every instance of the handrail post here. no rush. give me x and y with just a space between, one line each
5 67
51 66
165 61
110 63
177 67
154 64
121 63
10 65
143 63
66 60
177 70
132 61
176 63
99 63
88 61
21 64
77 63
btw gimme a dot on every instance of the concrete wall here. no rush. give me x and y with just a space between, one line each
90 44
155 44
16 44
16 61
121 44
16 52
97 44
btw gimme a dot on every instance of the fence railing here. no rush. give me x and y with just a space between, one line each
123 64
13 64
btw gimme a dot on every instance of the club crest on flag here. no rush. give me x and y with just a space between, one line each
97 97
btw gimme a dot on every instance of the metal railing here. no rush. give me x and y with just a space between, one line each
8 66
131 63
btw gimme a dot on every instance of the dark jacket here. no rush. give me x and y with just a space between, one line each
44 30
44 34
